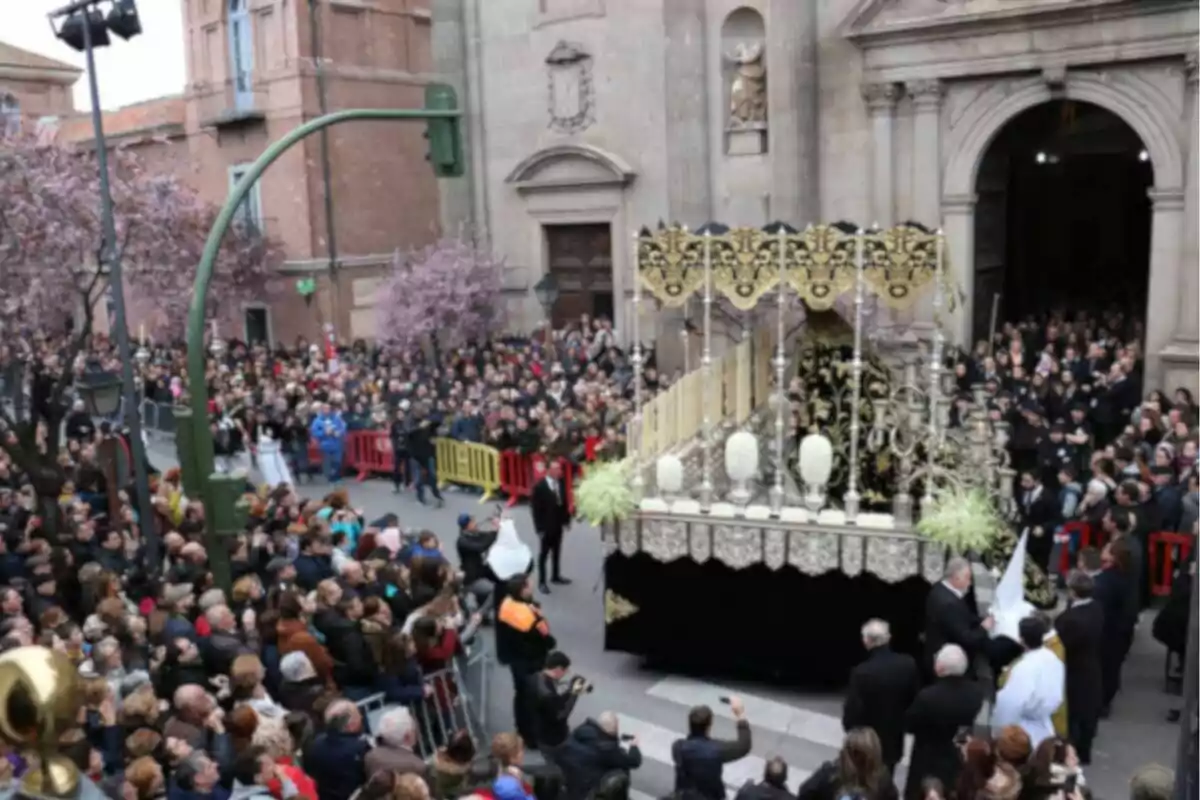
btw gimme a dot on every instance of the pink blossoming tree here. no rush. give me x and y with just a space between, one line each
52 282
444 295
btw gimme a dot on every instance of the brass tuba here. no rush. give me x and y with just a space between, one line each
40 700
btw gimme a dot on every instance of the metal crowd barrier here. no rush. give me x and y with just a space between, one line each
455 699
158 419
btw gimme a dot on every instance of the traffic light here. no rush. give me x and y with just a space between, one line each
445 138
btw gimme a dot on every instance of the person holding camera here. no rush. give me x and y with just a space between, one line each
552 708
593 754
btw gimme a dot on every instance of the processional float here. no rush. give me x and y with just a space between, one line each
885 445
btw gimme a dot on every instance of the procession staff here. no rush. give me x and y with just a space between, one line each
523 641
551 517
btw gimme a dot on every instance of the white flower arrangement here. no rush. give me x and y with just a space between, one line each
604 494
964 520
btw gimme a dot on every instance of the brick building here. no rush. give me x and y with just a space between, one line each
252 77
33 86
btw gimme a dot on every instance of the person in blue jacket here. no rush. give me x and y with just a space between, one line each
329 430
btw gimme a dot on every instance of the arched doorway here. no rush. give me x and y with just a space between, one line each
1062 215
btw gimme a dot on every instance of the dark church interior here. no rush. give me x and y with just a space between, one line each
1064 216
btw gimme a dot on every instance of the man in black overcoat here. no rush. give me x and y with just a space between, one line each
1081 630
951 619
939 713
881 689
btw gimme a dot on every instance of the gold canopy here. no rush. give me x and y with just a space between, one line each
819 263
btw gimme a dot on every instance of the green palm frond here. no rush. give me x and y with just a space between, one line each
604 494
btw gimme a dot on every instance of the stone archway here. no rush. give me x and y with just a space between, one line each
1142 107
574 217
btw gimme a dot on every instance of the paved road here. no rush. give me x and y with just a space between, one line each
802 727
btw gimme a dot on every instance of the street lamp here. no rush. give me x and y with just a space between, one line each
546 292
83 27
100 392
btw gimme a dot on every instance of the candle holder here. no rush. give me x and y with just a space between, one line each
903 425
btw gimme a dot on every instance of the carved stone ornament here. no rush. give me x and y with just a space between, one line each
926 94
813 550
571 99
881 97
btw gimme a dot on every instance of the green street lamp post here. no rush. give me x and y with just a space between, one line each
224 514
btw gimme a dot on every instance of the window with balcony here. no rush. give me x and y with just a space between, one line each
10 115
249 213
241 54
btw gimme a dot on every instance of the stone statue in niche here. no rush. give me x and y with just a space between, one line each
571 101
748 89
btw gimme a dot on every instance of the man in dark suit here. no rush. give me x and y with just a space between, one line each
937 715
1039 515
949 619
1081 630
550 519
881 690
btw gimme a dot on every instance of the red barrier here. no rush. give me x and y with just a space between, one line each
519 473
1162 558
1085 540
370 452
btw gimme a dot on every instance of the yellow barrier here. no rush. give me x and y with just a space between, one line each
469 464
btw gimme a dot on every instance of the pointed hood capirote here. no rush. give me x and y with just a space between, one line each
508 556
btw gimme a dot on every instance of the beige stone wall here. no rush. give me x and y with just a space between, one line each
909 95
625 41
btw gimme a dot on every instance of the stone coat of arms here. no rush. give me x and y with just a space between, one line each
571 101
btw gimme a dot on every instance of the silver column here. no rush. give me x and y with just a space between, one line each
706 481
852 498
933 443
639 481
776 493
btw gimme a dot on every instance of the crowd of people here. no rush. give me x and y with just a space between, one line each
566 397
1093 446
193 691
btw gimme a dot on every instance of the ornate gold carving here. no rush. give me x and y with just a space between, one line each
818 264
822 261
900 261
617 608
671 264
742 266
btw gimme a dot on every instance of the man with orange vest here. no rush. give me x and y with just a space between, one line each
523 641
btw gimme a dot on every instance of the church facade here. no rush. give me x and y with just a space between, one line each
588 119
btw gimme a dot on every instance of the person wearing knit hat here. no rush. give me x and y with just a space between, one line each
508 787
211 598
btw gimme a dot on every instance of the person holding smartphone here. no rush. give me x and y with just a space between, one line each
700 759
